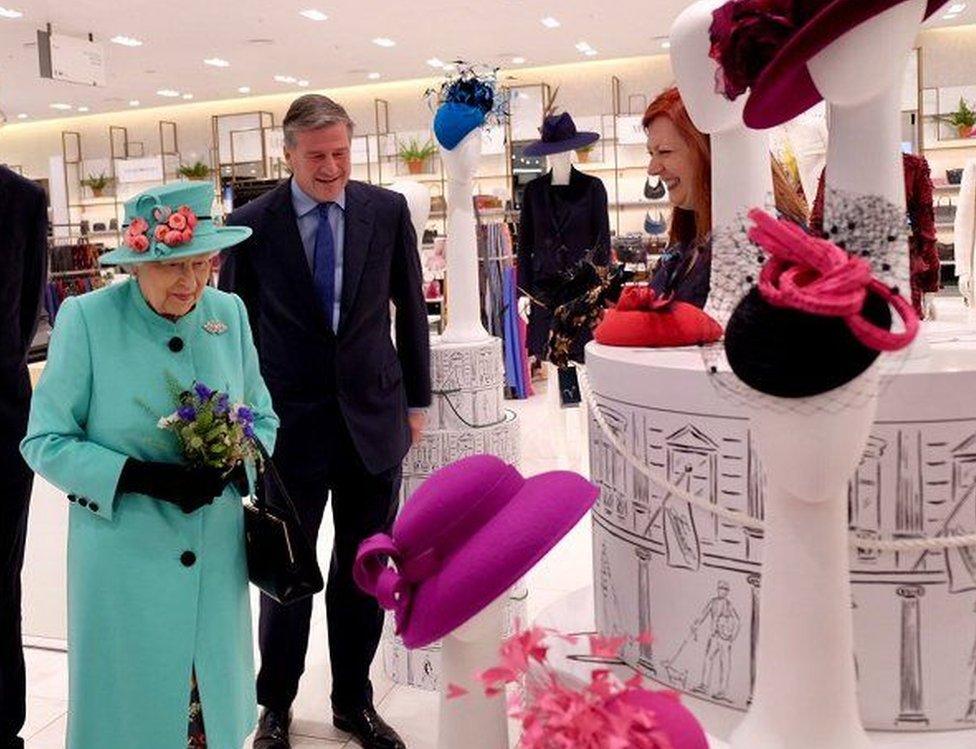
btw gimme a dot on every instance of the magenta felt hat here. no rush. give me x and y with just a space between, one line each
465 536
787 33
674 719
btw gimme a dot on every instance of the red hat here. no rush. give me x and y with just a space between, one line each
764 45
641 319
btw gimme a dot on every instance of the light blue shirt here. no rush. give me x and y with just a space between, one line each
308 226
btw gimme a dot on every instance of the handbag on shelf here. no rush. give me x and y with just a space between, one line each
280 557
954 176
945 212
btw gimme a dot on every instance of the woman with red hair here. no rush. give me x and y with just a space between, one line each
681 159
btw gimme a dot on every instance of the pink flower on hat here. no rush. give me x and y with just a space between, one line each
138 226
191 217
177 221
173 238
160 232
138 242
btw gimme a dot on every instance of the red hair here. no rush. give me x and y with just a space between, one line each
687 225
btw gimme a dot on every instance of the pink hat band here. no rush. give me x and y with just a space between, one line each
393 586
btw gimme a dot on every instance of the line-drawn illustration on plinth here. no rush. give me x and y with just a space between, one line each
912 712
724 623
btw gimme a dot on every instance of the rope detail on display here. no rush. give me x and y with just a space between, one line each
505 417
740 518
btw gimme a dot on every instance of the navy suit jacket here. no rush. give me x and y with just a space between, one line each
23 252
309 369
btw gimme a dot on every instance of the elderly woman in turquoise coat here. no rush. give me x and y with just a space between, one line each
159 626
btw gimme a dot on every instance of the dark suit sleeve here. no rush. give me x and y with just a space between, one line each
523 251
35 272
412 330
237 273
601 221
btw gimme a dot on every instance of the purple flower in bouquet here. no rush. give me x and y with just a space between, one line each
202 391
187 412
243 415
222 404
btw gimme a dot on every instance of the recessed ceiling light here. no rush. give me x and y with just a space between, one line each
9 13
168 92
518 60
286 79
373 76
134 103
23 116
58 105
82 109
187 96
303 83
382 41
590 52
956 8
550 23
313 15
583 46
244 90
950 16
216 62
126 41
435 63
666 44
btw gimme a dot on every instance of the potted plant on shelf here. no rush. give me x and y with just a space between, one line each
584 153
199 170
97 183
963 119
415 155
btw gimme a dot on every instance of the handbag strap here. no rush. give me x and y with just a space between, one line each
272 472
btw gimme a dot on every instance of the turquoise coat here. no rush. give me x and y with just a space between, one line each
152 592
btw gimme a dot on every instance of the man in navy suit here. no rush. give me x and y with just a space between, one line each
326 259
23 252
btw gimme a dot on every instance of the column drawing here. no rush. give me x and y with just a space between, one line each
645 660
909 500
912 704
754 581
756 486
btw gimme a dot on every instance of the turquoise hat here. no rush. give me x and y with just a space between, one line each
172 222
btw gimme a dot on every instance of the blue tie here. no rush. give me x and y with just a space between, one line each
323 263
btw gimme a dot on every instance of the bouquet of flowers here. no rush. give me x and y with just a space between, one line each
604 714
211 430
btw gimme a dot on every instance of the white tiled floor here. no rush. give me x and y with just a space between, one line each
551 439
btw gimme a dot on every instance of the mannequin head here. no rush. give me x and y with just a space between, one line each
868 59
560 164
461 162
418 201
695 71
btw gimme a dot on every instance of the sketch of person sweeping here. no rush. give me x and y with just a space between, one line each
724 624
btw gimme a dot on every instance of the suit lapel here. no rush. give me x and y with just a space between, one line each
290 251
358 232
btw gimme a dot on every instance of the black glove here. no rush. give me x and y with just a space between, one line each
187 487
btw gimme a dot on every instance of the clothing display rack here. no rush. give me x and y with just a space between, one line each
499 302
74 270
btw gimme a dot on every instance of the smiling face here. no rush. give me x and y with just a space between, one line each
173 289
320 161
673 160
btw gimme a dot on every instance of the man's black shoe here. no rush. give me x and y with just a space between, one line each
272 730
368 729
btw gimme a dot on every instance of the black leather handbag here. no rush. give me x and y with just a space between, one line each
280 557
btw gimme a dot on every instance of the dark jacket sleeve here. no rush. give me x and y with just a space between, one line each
35 271
412 329
601 220
237 273
523 249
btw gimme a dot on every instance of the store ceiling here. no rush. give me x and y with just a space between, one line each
262 39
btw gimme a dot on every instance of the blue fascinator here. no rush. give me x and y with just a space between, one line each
466 101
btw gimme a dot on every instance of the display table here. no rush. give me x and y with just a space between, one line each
693 580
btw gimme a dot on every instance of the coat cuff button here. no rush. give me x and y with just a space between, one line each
93 506
72 498
82 502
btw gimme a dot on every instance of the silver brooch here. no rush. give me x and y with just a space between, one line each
215 327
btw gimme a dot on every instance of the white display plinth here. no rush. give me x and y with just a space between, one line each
44 579
665 569
466 417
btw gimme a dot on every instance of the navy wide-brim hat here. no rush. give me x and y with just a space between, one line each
785 89
559 134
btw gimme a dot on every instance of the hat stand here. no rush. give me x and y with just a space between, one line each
473 720
805 694
463 299
741 170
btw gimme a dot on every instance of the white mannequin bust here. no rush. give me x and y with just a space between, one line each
741 171
463 298
561 165
418 201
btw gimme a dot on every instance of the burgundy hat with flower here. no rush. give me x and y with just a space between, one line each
171 222
764 46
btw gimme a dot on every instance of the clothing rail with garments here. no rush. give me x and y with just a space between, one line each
499 298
